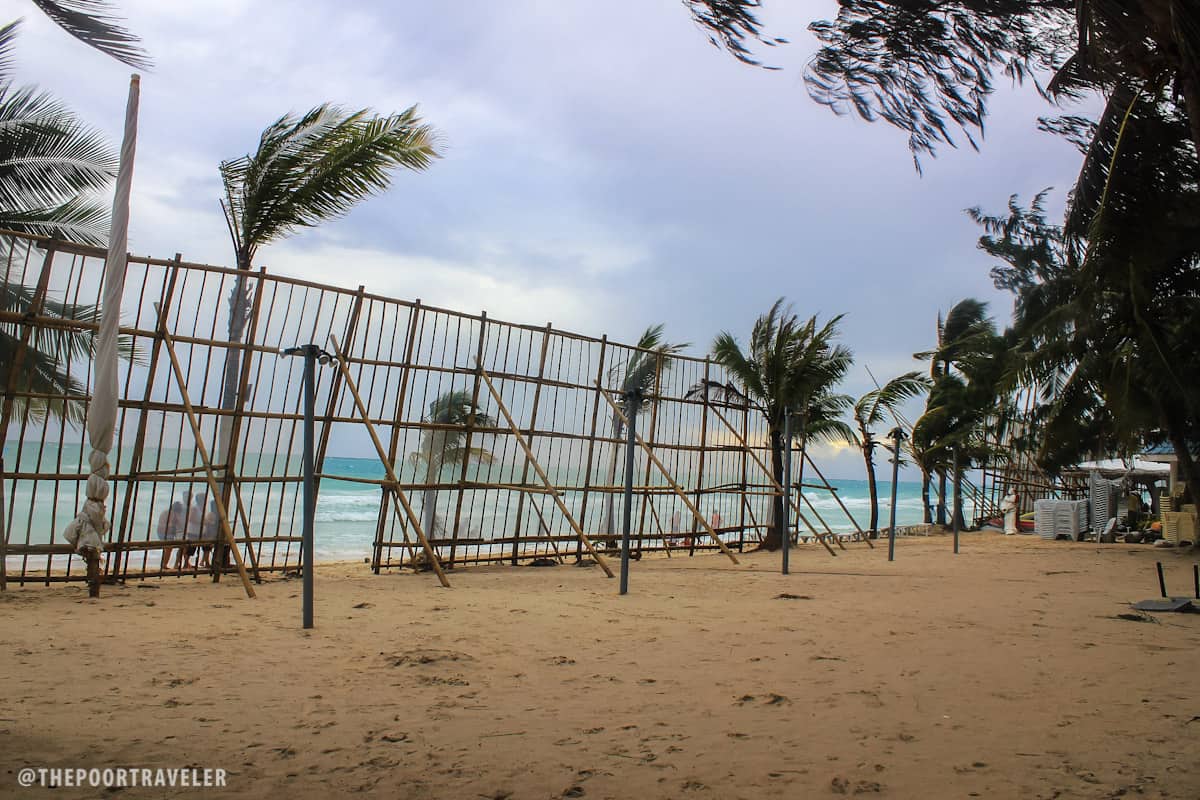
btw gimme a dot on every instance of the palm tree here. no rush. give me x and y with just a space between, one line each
455 415
45 386
968 368
307 170
640 373
50 163
790 367
869 411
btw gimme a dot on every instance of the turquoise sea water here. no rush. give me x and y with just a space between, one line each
347 512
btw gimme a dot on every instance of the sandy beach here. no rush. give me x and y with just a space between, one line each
1001 672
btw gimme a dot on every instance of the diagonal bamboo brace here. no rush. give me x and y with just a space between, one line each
209 474
778 488
542 473
674 486
391 473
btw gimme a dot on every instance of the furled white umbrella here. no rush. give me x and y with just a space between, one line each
88 530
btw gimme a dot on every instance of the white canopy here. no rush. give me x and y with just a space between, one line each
1117 468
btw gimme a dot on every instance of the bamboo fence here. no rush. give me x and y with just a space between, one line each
548 488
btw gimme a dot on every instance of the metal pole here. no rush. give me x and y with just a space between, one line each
787 486
633 399
896 436
957 499
1162 584
310 368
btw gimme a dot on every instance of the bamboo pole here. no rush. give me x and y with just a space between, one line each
393 446
833 491
209 474
778 488
35 308
566 512
139 442
591 449
703 453
391 472
674 486
466 460
537 397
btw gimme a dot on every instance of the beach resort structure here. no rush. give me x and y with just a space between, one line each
538 456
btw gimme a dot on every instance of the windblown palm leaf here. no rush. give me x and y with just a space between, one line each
50 164
46 368
93 23
314 168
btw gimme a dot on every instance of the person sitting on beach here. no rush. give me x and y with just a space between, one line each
192 532
171 524
209 532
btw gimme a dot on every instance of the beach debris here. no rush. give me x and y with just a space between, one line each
586 562
776 700
415 658
363 605
1181 604
1136 617
787 596
574 791
543 562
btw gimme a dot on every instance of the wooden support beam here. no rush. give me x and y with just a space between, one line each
674 486
778 488
388 468
566 512
210 475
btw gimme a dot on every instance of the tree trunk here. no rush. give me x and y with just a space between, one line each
941 503
872 487
774 538
926 512
429 498
238 310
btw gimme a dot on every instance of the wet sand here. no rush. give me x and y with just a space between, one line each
1001 672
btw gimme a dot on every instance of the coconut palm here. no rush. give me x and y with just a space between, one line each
307 170
869 412
790 367
455 415
640 373
50 163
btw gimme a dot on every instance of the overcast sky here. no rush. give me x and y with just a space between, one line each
605 167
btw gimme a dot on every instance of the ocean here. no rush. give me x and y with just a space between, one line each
347 511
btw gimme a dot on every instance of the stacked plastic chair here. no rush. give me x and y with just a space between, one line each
1045 518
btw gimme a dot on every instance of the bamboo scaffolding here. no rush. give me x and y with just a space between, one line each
399 495
778 488
209 474
566 512
679 492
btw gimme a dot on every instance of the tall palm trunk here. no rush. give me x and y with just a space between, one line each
239 310
941 503
872 486
774 538
429 496
926 511
610 498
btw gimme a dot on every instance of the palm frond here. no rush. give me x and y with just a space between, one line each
317 167
93 23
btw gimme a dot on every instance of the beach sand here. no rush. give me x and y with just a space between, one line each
1001 672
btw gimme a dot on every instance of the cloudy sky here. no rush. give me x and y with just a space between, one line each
605 167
